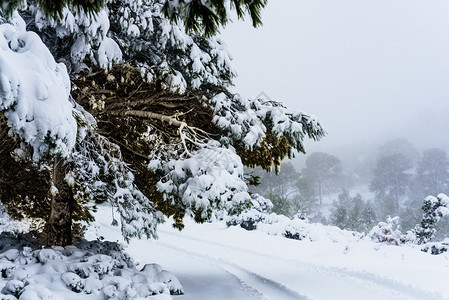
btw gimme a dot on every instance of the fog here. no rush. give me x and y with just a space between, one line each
369 70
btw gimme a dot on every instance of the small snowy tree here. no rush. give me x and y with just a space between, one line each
434 209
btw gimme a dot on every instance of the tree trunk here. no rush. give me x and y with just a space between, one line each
396 183
320 193
58 229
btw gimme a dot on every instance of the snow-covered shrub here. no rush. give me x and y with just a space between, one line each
259 212
387 232
434 209
261 203
92 268
437 247
247 220
297 229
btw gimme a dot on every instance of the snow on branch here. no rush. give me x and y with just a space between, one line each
34 94
209 179
263 132
100 175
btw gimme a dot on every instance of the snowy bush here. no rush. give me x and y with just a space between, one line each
247 220
387 232
436 248
296 228
94 268
250 218
261 203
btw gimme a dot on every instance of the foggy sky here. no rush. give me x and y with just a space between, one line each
370 70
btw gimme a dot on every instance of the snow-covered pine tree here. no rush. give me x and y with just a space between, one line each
161 134
434 209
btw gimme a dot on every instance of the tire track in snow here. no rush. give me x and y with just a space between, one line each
390 288
265 287
269 288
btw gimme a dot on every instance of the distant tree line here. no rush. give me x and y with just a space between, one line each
401 178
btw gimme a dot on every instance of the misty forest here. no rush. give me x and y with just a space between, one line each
133 164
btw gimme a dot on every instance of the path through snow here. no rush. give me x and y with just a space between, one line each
213 262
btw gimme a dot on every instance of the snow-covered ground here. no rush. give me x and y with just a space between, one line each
216 262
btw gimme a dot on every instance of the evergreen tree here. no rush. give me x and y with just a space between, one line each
196 15
54 9
324 172
159 135
432 174
392 176
201 16
352 213
280 188
399 146
434 209
307 201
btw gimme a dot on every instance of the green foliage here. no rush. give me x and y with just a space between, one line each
197 16
270 153
307 201
352 213
140 139
280 188
432 175
323 171
54 9
25 187
289 192
207 17
434 209
391 180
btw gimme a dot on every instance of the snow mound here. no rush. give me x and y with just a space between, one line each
97 270
436 248
296 228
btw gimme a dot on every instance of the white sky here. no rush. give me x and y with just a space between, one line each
370 70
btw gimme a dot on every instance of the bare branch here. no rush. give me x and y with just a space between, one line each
150 115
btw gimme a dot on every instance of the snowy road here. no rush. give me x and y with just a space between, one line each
217 263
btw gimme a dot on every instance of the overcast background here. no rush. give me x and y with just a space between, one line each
370 70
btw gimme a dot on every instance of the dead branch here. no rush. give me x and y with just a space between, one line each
149 115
